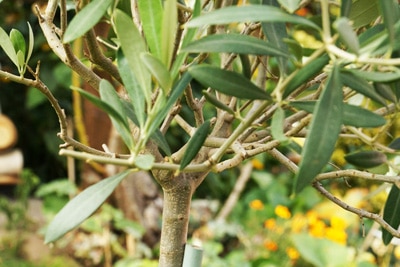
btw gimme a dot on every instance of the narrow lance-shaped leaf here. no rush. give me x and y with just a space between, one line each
176 93
391 15
30 44
110 96
82 206
306 73
366 159
133 46
170 20
376 76
347 34
214 101
391 213
133 88
352 115
151 18
360 85
250 13
345 8
290 5
233 43
324 131
86 19
227 82
195 143
122 126
189 34
158 70
277 125
276 33
7 46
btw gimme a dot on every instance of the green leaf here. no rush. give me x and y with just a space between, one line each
307 72
352 115
321 252
249 13
151 18
276 33
345 8
391 213
347 35
133 46
86 19
385 91
18 41
176 93
21 62
82 206
8 48
195 143
158 70
366 159
233 43
144 162
189 34
227 82
277 125
363 12
110 96
170 20
324 131
377 76
395 144
123 127
360 85
133 88
162 143
214 101
390 13
290 5
30 44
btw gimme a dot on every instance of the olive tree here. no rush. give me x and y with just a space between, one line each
161 51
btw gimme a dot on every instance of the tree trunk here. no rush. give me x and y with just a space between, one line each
178 193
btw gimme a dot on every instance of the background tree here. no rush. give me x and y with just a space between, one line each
266 89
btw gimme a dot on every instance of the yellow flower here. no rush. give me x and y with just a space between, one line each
317 229
336 235
256 204
257 164
271 245
338 222
292 253
397 252
283 212
299 223
270 224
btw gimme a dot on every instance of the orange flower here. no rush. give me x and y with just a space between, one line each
283 212
292 253
257 164
270 224
271 245
302 12
256 204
